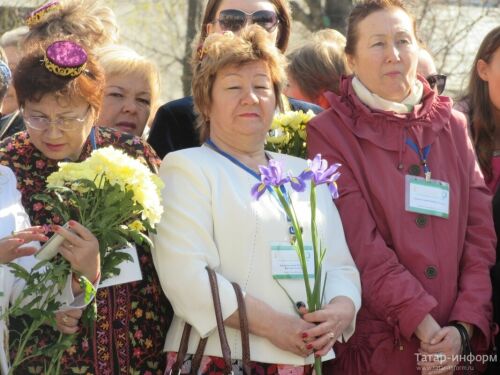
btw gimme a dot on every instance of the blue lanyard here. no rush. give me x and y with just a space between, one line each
93 142
423 155
235 161
232 159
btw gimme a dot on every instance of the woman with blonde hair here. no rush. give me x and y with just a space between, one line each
316 67
211 219
131 91
88 22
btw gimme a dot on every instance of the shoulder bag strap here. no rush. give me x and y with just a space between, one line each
245 333
181 354
226 351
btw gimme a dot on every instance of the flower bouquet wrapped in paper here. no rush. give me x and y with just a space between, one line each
288 133
274 180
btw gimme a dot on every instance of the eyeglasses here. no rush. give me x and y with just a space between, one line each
42 123
235 19
437 81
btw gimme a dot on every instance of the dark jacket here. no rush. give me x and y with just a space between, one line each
11 124
174 126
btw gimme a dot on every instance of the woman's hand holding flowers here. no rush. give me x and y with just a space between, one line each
67 321
287 334
329 322
80 249
11 247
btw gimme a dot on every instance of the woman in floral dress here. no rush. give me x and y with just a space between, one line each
60 113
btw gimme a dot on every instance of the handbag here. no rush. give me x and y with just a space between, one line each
226 351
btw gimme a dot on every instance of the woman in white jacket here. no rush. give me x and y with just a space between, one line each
212 220
18 243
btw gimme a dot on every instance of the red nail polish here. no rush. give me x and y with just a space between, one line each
309 346
304 335
20 240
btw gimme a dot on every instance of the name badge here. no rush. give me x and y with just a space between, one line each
427 197
286 264
129 271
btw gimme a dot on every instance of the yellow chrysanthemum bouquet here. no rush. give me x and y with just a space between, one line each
288 133
113 195
118 199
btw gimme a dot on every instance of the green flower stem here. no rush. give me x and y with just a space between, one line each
55 362
288 207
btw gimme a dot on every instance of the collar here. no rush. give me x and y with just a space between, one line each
376 102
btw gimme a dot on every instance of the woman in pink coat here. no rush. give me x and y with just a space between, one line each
413 203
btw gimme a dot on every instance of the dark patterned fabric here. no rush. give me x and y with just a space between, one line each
133 318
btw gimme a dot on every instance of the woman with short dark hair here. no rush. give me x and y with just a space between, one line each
60 101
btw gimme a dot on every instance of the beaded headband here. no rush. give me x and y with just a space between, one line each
65 58
5 74
40 15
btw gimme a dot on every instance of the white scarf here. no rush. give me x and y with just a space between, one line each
376 102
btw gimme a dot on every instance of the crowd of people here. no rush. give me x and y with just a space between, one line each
411 273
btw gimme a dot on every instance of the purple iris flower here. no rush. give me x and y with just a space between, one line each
270 176
321 173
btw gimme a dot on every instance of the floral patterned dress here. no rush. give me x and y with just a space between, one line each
132 318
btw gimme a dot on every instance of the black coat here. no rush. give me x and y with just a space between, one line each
11 124
174 126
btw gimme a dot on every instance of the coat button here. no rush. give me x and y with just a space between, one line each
421 221
431 272
414 170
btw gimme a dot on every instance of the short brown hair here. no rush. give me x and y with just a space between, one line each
88 22
284 17
363 10
223 50
32 81
318 65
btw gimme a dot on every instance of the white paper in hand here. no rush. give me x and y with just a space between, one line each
51 247
129 271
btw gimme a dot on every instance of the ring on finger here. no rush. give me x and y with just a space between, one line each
65 319
331 335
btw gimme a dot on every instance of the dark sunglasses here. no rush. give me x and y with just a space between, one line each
437 81
235 19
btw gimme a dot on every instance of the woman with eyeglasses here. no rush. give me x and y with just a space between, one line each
174 127
60 102
414 205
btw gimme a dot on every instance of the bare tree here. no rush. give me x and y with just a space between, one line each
321 14
194 20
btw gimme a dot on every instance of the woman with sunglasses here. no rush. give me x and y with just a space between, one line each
427 68
174 127
413 202
60 102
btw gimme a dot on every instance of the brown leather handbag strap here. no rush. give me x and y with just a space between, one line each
245 333
226 351
181 354
198 356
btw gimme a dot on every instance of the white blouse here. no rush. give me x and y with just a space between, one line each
14 218
211 219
